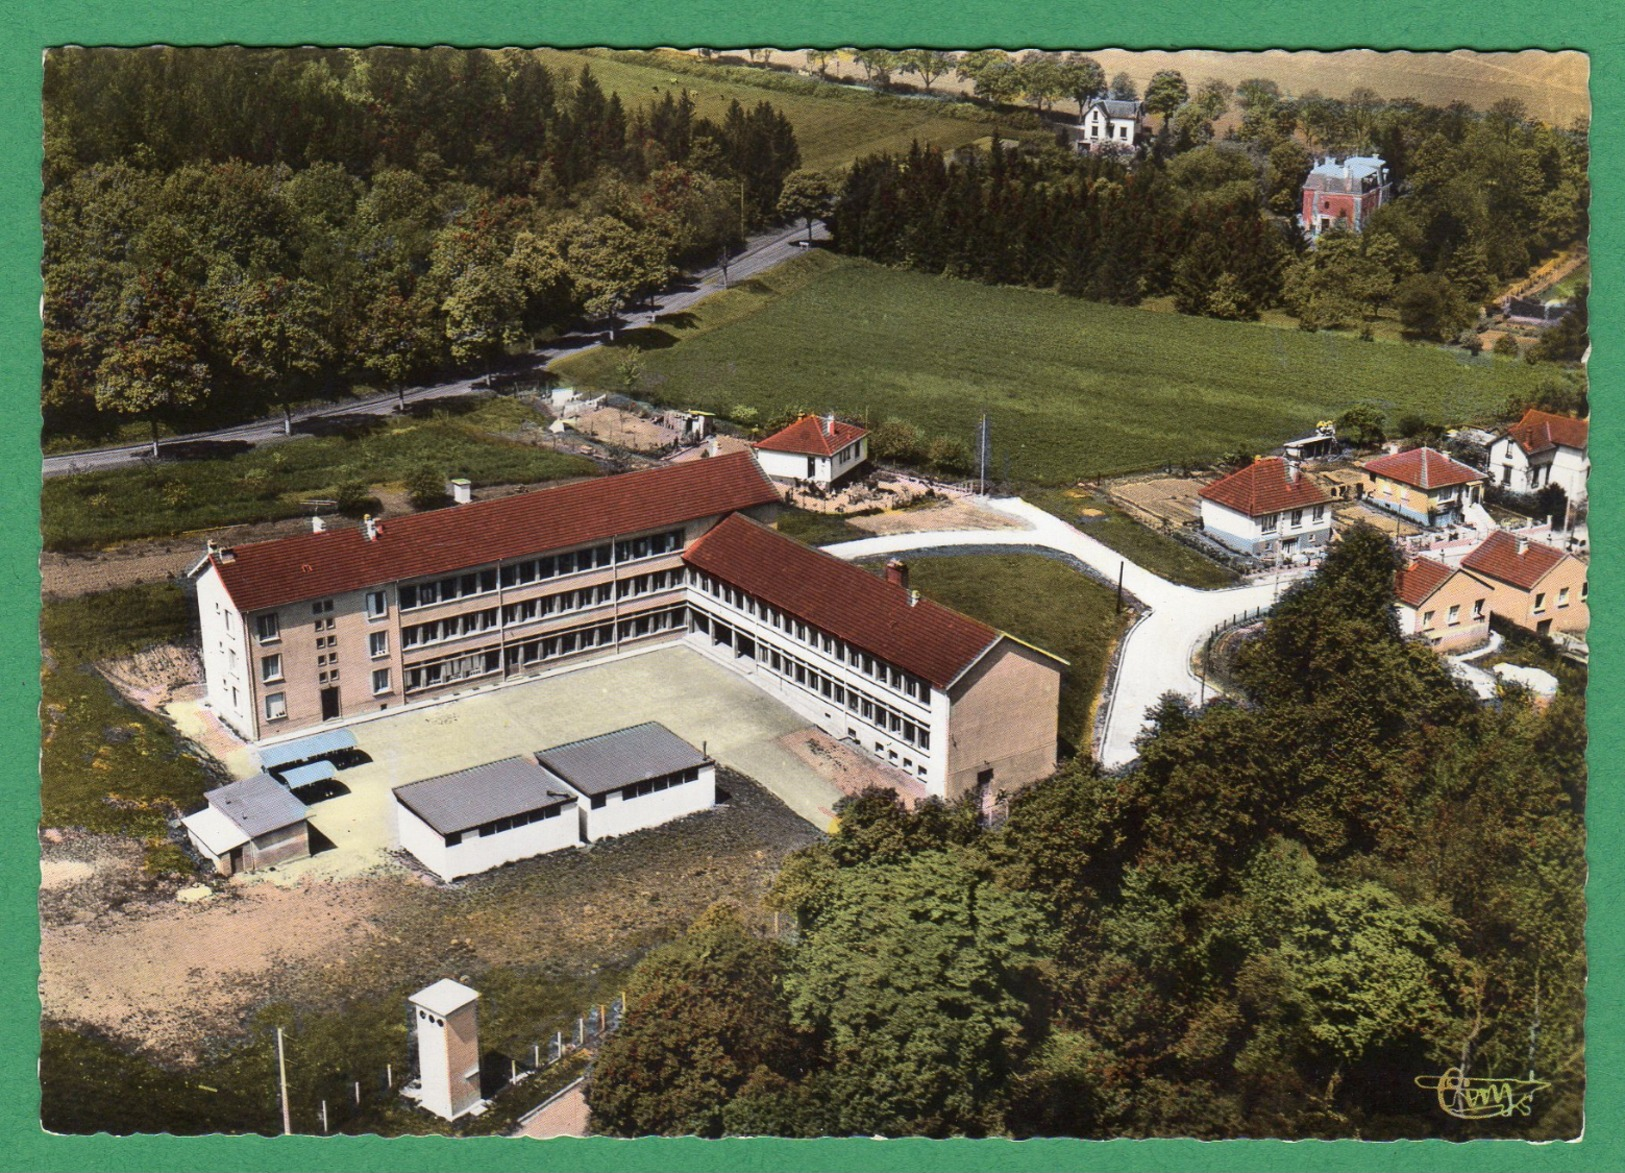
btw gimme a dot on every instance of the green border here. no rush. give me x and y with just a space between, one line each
28 26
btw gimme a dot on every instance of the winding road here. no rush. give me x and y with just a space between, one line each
760 253
1156 654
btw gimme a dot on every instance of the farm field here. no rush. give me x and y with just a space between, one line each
834 125
1040 600
1072 389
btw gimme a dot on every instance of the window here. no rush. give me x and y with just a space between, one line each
1478 608
1453 616
1319 514
271 669
1563 597
377 604
1584 586
378 644
1427 620
1297 517
322 607
276 706
380 680
1267 524
1540 601
268 628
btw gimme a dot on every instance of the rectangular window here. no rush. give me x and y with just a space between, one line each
1540 601
271 668
268 628
1427 620
1584 586
1453 616
1268 524
276 706
380 681
323 607
378 644
1563 597
1478 608
1297 517
377 604
1319 513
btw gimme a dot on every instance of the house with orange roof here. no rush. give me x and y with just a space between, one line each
1543 449
1423 485
1532 584
1450 608
1269 509
818 450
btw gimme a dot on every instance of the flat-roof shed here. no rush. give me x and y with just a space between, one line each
633 778
305 749
473 820
251 824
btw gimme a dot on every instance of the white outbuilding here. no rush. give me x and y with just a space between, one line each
477 819
446 1019
633 778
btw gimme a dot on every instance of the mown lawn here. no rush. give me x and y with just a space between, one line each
1072 389
96 509
1158 553
106 765
834 124
818 529
1042 601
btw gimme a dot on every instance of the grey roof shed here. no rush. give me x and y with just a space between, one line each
469 798
257 805
599 765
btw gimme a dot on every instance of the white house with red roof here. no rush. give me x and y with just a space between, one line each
1543 449
818 450
1269 509
1423 485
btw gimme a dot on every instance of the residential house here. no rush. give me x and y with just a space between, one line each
1343 192
248 825
1449 608
818 450
631 779
1423 485
1533 585
473 820
1543 449
1110 123
1269 509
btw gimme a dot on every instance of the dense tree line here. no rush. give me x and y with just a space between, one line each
230 228
1290 908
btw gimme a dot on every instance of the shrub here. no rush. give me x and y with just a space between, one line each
896 440
1506 346
426 488
355 498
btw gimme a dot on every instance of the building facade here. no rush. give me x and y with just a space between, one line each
1109 123
632 779
1343 193
1270 509
1543 449
473 820
248 825
817 450
426 607
1447 607
1531 584
1424 486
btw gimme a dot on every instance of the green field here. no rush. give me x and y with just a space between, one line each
1072 389
1042 601
1570 285
265 484
834 124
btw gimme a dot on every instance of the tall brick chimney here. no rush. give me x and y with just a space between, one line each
897 573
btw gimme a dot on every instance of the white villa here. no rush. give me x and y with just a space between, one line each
814 450
1269 509
1543 449
1111 122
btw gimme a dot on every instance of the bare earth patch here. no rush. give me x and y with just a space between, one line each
942 515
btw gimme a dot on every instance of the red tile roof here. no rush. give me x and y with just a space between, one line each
271 574
844 600
1424 468
1540 430
1416 582
1264 487
811 436
1498 557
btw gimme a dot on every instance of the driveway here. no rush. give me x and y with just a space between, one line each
1156 655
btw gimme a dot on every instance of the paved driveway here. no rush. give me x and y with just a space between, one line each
1156 655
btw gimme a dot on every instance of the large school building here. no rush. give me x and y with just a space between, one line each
344 622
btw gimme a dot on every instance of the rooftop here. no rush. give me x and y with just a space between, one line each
1499 556
1117 107
813 435
598 765
921 637
1540 430
1424 468
1346 175
1416 583
442 541
465 799
257 805
444 997
1265 486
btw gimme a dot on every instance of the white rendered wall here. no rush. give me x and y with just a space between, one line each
480 853
783 466
222 634
449 1060
621 816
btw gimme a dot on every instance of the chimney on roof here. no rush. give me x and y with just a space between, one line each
1523 545
913 598
318 526
462 490
829 424
214 547
1292 472
369 527
711 446
897 573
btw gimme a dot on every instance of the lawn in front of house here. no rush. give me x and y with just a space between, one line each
1145 547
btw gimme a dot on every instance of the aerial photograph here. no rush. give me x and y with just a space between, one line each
780 592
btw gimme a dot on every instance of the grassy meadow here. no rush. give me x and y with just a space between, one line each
1072 389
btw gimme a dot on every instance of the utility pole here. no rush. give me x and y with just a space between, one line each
1121 563
282 1082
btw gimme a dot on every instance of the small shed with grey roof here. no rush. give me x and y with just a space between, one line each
248 825
473 820
633 778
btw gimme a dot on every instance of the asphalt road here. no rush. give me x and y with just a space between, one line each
1156 655
761 253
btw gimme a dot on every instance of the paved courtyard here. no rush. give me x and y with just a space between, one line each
699 700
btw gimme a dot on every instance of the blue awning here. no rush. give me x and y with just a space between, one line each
305 749
318 771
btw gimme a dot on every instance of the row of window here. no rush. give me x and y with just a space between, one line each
873 667
445 590
1453 616
559 604
497 826
1317 514
650 786
451 627
453 669
808 677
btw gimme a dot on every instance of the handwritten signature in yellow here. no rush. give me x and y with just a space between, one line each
1481 1099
